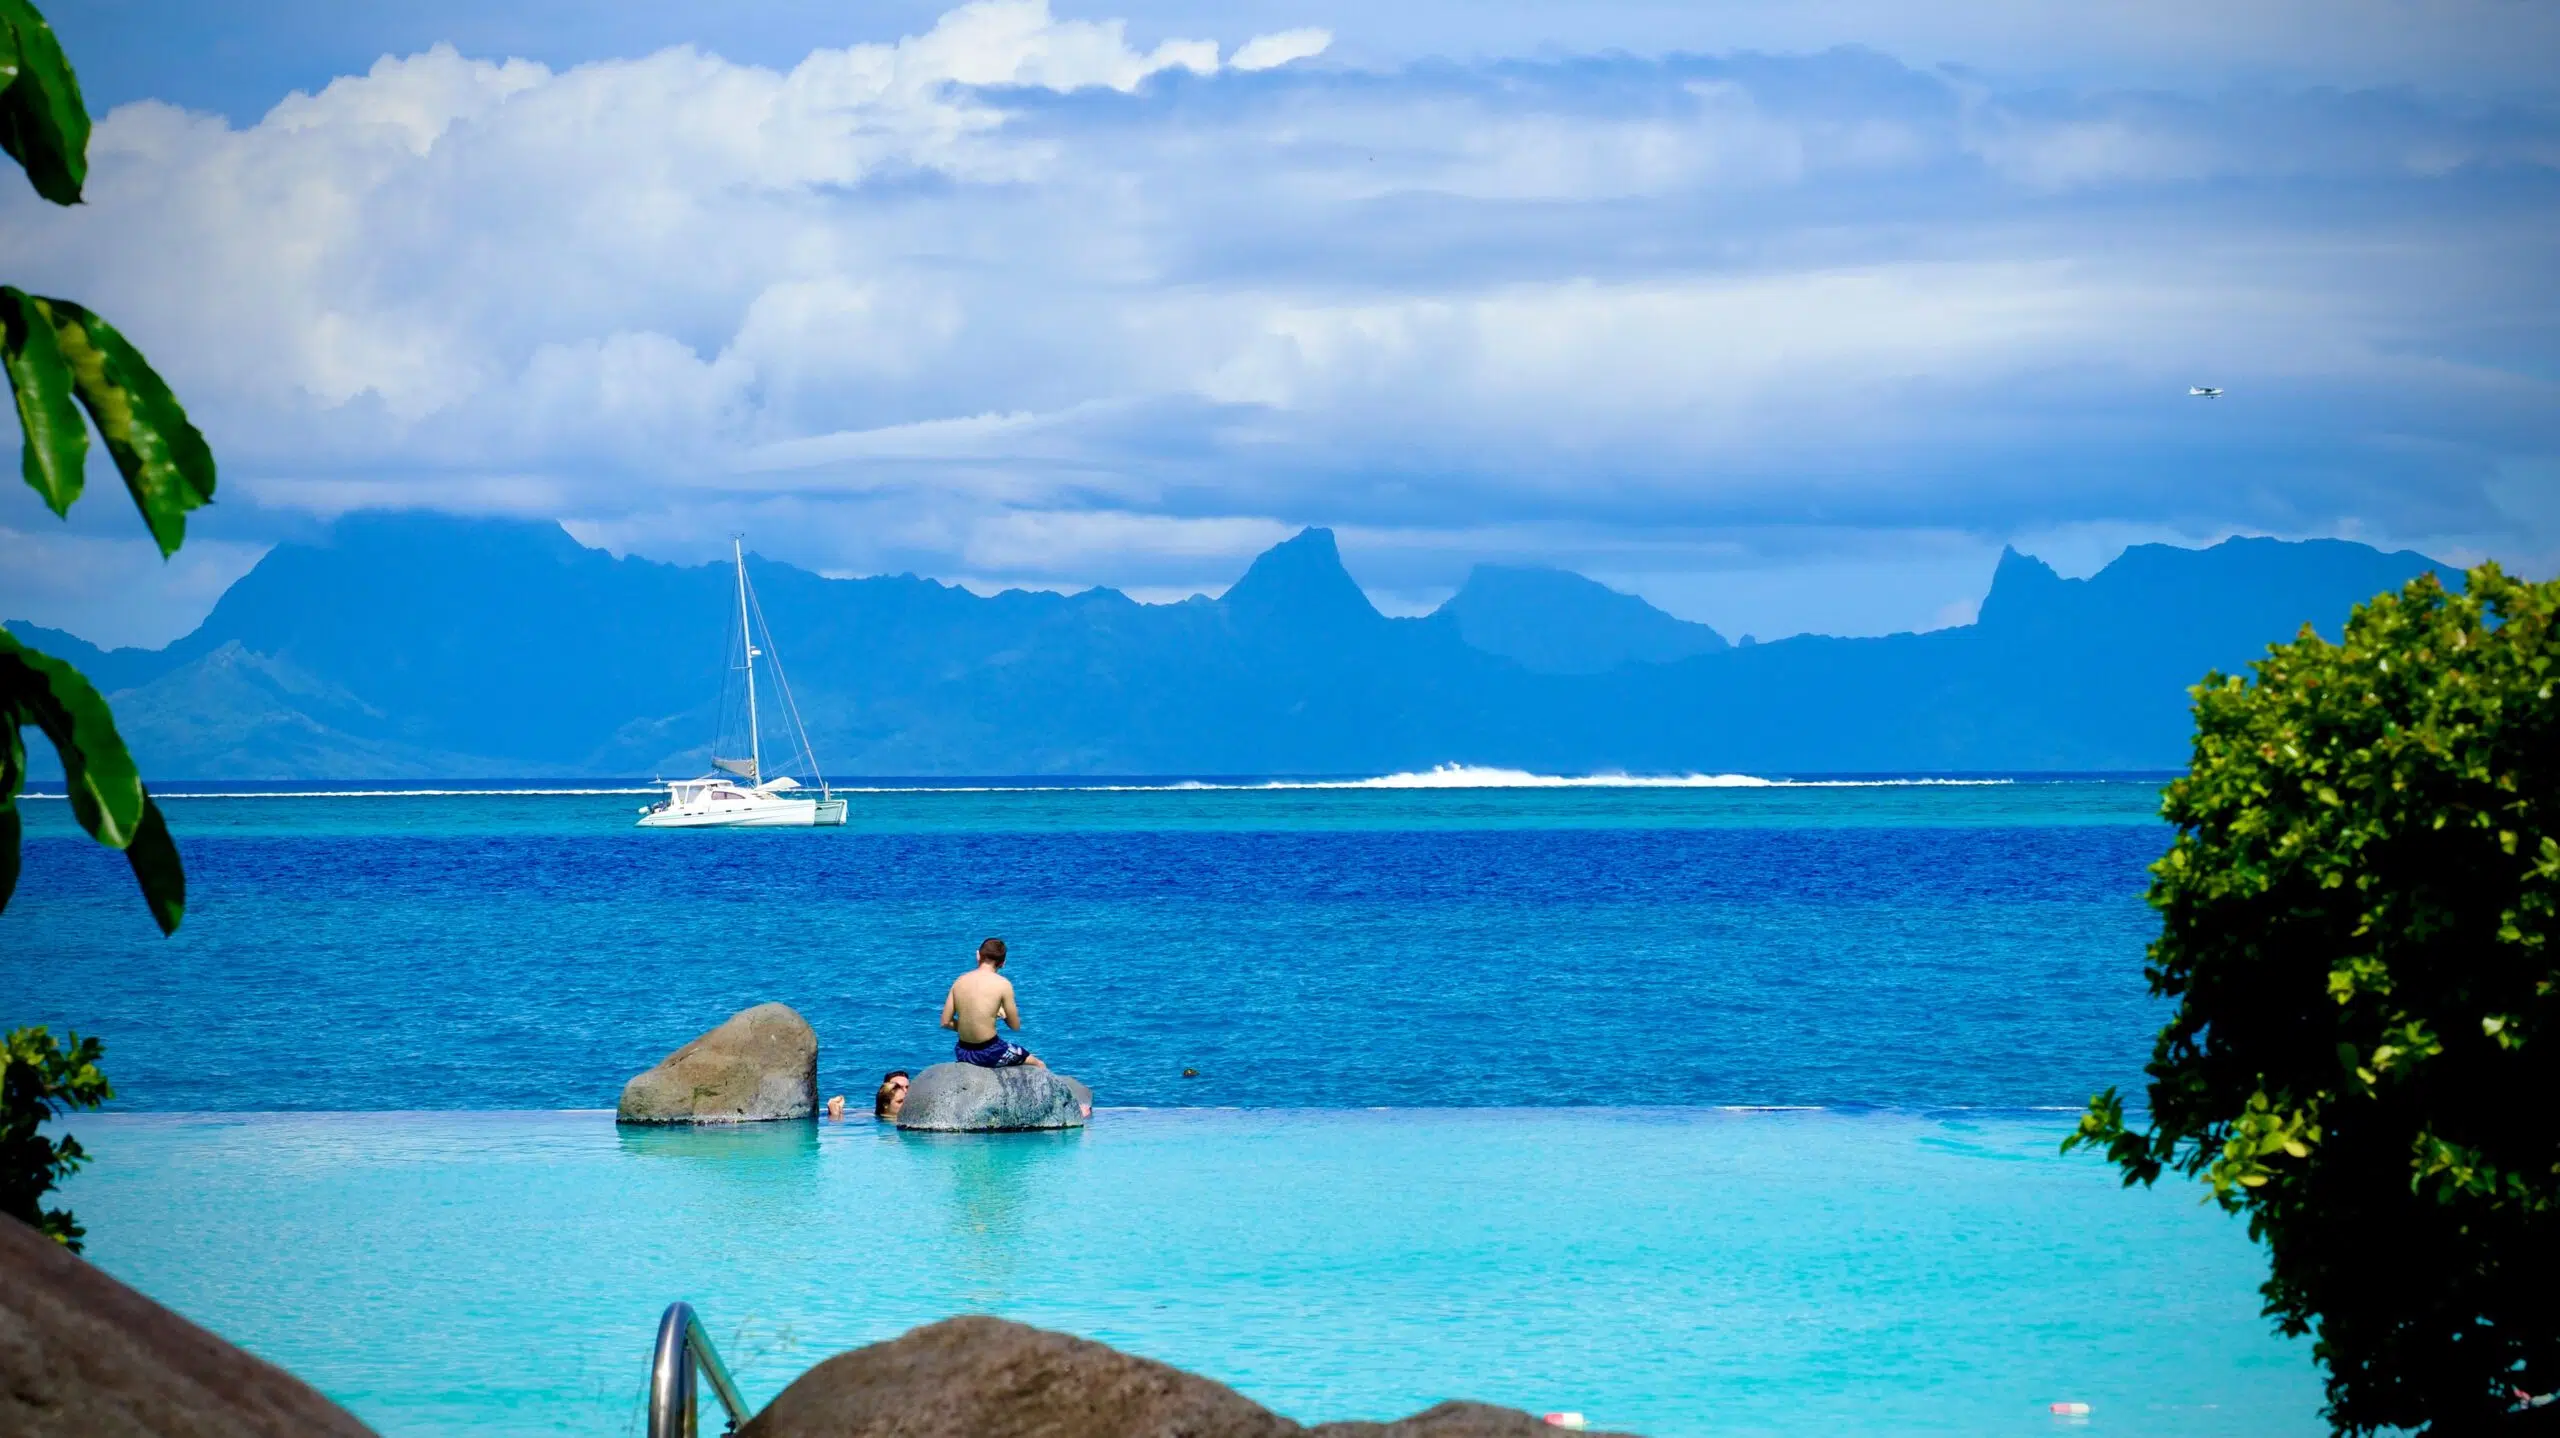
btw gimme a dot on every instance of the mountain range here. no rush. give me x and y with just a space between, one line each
426 646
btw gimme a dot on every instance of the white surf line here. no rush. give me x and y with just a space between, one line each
1448 776
1445 777
1466 776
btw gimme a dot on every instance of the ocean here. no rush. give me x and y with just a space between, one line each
1900 945
1706 1107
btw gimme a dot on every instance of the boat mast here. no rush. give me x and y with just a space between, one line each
747 640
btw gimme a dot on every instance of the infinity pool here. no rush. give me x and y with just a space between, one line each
1677 1272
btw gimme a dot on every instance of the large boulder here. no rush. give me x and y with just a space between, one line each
987 1378
761 1064
82 1353
964 1098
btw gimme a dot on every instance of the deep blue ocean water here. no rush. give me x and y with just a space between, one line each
1909 946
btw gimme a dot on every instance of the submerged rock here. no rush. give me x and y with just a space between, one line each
761 1064
1452 1420
964 1098
82 1353
987 1378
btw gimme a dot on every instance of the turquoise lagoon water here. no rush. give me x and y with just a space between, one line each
1463 1123
1678 1273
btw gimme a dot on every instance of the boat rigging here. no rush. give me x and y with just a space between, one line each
737 794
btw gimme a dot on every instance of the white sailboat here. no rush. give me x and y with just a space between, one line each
738 794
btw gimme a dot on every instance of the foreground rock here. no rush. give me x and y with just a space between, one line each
964 1098
987 1378
82 1353
761 1064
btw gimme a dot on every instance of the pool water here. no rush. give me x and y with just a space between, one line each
1677 1272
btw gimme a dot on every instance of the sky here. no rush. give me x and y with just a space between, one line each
1785 316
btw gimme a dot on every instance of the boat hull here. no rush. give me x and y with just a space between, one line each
763 814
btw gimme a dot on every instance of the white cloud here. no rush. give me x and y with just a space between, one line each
1270 52
414 100
1019 298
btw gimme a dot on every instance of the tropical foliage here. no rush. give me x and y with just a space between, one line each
2358 929
64 363
39 1079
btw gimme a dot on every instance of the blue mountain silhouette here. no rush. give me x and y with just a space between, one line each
424 645
1554 621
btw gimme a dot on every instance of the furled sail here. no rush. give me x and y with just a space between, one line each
743 768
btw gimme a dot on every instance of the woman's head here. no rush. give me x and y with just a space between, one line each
892 1096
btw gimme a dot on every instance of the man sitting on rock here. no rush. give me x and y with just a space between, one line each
977 1000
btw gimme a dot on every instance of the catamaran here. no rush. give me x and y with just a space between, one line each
740 793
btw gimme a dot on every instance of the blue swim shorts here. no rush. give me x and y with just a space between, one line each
995 1053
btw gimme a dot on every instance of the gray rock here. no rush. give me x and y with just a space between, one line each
761 1064
964 1098
82 1353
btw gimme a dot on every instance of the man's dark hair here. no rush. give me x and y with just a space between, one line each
992 952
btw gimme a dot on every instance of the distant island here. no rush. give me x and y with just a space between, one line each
427 646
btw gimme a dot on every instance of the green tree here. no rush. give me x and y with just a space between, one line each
39 1079
63 360
2357 920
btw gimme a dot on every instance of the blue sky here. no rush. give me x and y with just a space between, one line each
1784 316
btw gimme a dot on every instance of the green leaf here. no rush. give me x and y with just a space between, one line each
8 852
106 791
43 124
56 448
13 773
154 858
166 464
13 753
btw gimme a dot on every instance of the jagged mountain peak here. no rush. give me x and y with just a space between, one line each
2241 585
2022 587
1300 580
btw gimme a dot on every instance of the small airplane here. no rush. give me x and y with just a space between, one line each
2205 391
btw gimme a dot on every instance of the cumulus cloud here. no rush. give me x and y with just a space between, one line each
1269 52
1019 299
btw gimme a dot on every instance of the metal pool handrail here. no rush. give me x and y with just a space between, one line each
682 1345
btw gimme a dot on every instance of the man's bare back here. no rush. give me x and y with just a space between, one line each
978 1000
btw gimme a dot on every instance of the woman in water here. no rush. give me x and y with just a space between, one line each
891 1098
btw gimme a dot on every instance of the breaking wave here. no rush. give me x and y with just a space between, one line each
1470 776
